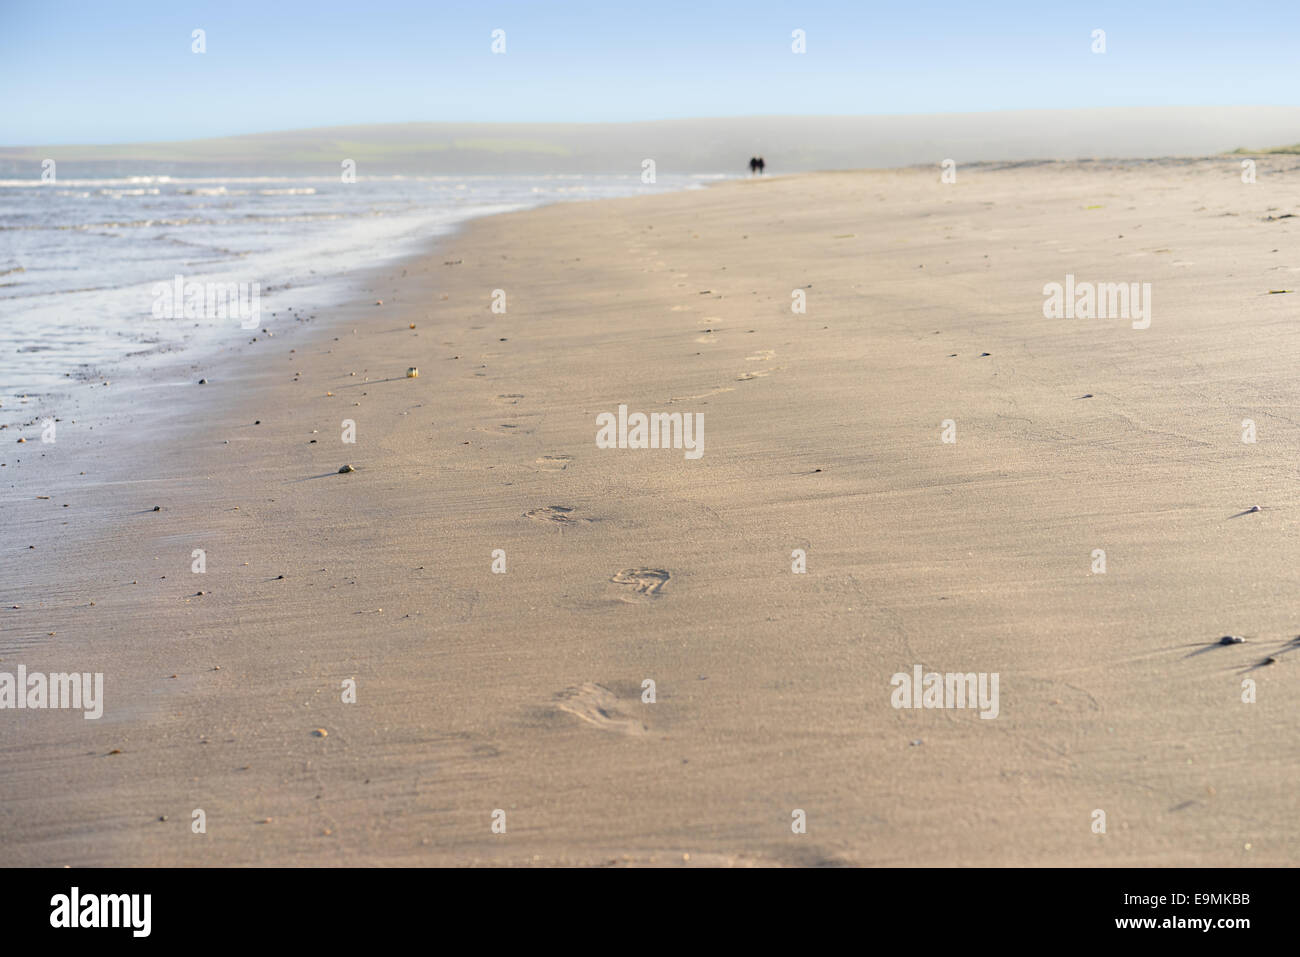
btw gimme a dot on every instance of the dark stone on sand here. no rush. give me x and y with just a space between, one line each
1231 640
346 468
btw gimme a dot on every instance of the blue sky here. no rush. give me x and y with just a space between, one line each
113 72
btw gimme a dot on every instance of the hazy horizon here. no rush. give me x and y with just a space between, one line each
694 145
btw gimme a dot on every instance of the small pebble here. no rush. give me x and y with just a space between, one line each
1231 640
346 468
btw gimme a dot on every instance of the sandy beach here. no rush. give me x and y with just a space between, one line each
523 691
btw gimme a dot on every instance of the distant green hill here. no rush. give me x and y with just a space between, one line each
1294 148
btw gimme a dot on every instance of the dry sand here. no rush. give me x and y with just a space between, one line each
522 691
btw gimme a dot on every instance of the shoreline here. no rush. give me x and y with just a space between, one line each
522 691
298 243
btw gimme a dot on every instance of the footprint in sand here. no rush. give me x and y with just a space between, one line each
644 581
702 395
598 706
555 515
503 428
511 398
760 355
554 463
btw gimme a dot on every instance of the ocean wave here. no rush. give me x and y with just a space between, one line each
37 182
125 224
200 221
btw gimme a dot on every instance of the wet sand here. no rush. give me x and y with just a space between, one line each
522 691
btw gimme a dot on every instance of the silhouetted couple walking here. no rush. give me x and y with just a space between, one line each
756 165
